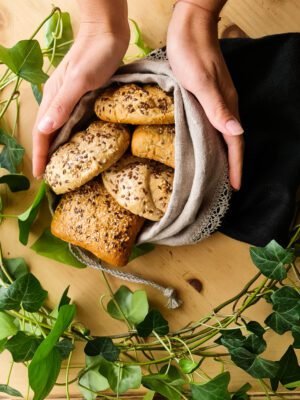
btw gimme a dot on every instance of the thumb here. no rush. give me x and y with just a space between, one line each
59 109
216 109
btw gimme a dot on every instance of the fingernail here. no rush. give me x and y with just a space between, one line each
234 127
46 124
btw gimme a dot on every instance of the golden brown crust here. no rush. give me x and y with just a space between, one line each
141 186
86 155
135 104
90 218
155 142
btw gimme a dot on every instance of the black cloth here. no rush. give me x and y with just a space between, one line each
266 74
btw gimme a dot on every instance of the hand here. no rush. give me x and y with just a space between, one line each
197 62
93 58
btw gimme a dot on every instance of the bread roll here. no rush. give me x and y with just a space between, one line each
141 186
155 142
134 104
86 155
90 218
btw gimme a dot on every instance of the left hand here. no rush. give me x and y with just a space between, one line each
198 64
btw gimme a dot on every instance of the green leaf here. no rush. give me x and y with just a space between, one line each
138 39
2 345
140 250
7 326
241 393
49 246
26 291
154 321
102 346
93 381
188 366
271 260
134 306
149 395
45 365
168 382
23 346
296 336
16 267
37 92
215 389
9 390
27 218
289 370
262 368
255 328
286 306
65 346
12 153
25 59
121 377
65 299
16 182
65 35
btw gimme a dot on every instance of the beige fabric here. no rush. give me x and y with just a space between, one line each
201 190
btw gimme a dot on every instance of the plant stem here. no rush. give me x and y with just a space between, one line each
3 111
9 372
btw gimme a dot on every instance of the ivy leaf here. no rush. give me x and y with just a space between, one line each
65 346
286 306
102 346
25 59
121 377
153 321
49 246
7 326
65 35
26 291
37 92
164 384
91 383
188 366
65 299
12 153
11 391
26 219
2 345
271 260
16 182
45 365
140 250
296 336
134 306
16 267
256 328
22 346
138 39
289 370
241 393
215 389
149 395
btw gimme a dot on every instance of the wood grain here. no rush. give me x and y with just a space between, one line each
221 264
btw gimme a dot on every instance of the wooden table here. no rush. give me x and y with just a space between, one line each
221 264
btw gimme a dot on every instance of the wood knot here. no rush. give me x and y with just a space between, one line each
196 284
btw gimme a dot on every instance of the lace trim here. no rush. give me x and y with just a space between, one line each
212 218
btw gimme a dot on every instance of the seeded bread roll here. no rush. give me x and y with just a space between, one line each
141 186
155 142
134 104
90 218
86 155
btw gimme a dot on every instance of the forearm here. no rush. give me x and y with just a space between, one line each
110 14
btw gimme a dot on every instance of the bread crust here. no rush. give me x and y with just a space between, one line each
155 142
86 155
141 186
90 218
135 104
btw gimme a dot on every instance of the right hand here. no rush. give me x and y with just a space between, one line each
91 61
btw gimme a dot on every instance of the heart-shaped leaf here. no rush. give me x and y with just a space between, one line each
102 346
12 153
15 267
26 291
23 346
25 59
153 321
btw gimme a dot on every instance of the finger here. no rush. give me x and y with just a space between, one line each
52 115
235 145
217 110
